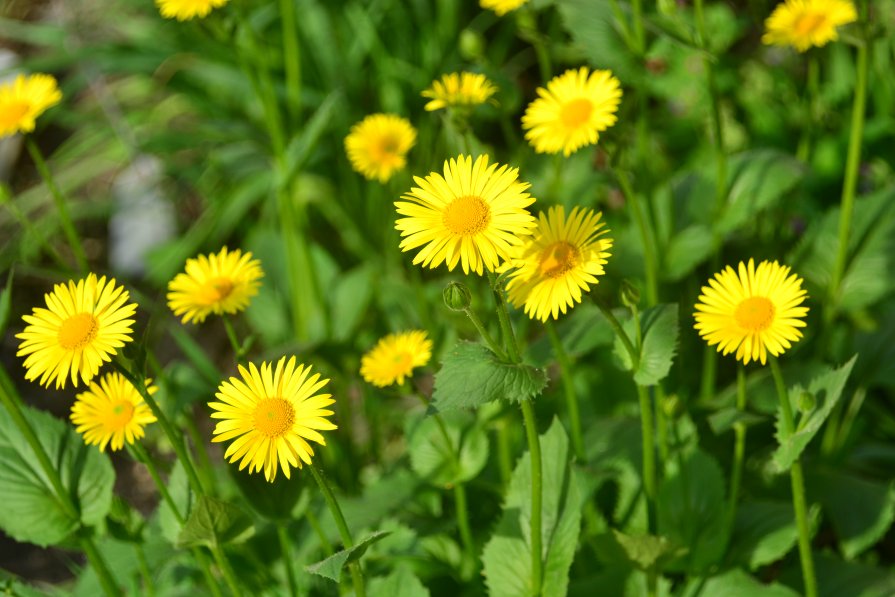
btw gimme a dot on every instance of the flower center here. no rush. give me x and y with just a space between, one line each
78 331
385 151
402 360
809 23
12 113
216 290
755 313
274 417
557 259
576 112
120 415
467 215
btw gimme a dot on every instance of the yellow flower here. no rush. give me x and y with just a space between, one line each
271 415
395 357
377 146
184 10
752 312
81 327
562 258
217 283
459 89
572 111
806 23
112 411
501 7
473 214
23 100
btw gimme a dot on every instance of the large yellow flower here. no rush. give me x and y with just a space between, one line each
473 214
572 112
112 411
377 146
81 327
217 283
806 23
272 415
459 89
560 261
501 7
23 100
395 357
752 312
184 10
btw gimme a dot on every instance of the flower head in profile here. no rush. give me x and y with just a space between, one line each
112 411
806 23
501 7
377 146
459 89
217 283
752 311
184 10
395 357
272 414
23 100
473 215
572 111
563 258
83 325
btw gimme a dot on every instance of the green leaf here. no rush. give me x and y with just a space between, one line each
837 577
640 551
660 332
332 566
213 523
688 248
350 299
31 511
593 28
727 418
275 501
400 583
471 375
432 459
735 583
182 496
826 389
6 303
507 556
764 532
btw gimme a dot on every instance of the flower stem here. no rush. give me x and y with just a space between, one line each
145 572
291 58
798 486
646 237
534 449
318 530
234 339
98 563
803 153
739 448
489 341
224 564
286 551
565 368
506 328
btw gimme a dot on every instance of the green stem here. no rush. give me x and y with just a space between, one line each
145 572
234 340
622 22
205 567
286 550
798 486
29 228
291 58
504 457
648 445
98 563
565 369
619 332
637 19
463 519
739 448
709 373
142 455
224 564
318 530
489 341
803 153
503 316
534 449
646 237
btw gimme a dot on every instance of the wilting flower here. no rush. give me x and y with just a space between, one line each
377 146
395 357
112 411
805 23
459 89
23 100
184 10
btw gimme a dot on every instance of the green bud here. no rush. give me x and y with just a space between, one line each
672 406
667 7
807 402
456 296
630 294
471 45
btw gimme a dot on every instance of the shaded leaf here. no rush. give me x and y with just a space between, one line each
214 522
727 418
432 459
735 583
764 532
660 333
639 551
402 582
332 566
688 248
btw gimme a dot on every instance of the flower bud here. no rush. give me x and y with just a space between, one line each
471 45
456 296
672 406
807 402
630 294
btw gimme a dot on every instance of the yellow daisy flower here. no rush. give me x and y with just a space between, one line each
216 283
472 214
501 7
572 111
184 10
562 258
753 311
81 327
23 100
395 357
112 411
459 89
805 23
271 415
377 146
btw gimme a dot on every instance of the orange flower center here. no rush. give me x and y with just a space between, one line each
576 112
467 215
273 417
402 360
808 23
78 331
755 313
119 415
12 113
385 151
557 259
216 290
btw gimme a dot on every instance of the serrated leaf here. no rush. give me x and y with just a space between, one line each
332 566
660 332
826 389
471 375
400 583
434 460
735 583
213 523
764 532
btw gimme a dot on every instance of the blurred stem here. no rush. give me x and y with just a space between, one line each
463 519
74 241
224 564
739 448
291 59
98 563
145 572
623 25
637 19
318 530
205 470
286 549
234 340
619 331
803 153
528 26
26 225
709 372
646 237
798 485
534 449
489 341
565 369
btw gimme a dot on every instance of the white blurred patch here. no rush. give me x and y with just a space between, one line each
10 147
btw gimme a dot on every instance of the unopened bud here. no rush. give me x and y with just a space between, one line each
672 406
471 45
630 294
456 296
807 402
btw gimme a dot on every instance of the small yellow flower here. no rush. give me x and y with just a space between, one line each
501 7
23 100
752 312
81 327
272 414
377 146
459 89
805 23
216 283
112 411
184 10
395 357
572 111
559 262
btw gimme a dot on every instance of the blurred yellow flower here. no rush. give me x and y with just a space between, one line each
395 357
806 23
184 10
572 111
501 7
112 411
82 326
459 89
377 146
216 283
23 100
752 312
